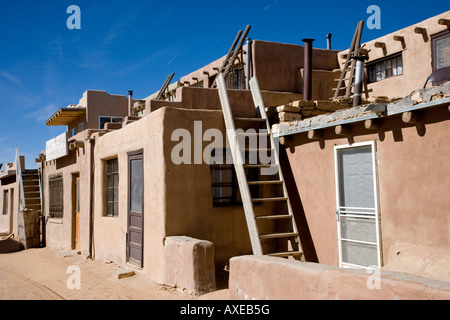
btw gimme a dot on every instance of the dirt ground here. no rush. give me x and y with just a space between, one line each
44 274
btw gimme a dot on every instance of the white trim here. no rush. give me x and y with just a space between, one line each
344 211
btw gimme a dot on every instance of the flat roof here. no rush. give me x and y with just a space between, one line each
65 116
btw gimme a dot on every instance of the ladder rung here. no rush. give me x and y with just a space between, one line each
276 216
264 182
249 119
259 165
269 199
278 235
252 134
285 254
257 149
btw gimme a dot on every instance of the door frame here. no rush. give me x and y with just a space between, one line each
374 151
134 155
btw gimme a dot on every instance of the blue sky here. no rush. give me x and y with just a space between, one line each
136 44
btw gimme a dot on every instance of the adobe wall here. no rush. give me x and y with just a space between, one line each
417 57
110 232
60 232
278 65
413 192
8 222
312 281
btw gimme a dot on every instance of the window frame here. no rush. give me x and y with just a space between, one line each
111 174
53 210
111 120
438 36
372 66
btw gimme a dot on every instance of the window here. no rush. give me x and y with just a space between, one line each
5 202
73 132
102 120
224 184
56 200
385 68
112 197
235 78
441 50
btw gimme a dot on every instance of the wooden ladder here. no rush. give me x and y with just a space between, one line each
274 233
232 54
346 81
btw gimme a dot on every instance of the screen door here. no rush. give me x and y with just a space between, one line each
357 206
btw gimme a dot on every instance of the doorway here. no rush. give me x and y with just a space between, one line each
357 211
135 235
76 239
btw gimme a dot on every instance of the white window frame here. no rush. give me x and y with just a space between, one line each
112 117
376 214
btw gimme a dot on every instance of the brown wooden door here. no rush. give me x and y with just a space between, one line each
135 235
77 215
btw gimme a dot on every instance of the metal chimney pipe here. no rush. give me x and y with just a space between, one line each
307 76
359 79
329 41
248 63
130 99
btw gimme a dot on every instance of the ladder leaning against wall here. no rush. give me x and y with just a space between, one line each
270 220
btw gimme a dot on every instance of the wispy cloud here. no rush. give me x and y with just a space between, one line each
12 78
42 114
271 5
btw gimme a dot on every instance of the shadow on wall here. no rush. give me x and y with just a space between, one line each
297 207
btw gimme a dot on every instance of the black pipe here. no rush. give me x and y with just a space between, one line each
307 76
329 41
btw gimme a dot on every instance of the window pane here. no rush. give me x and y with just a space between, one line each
136 186
442 50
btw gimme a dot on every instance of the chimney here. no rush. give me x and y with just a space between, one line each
307 76
130 103
359 78
329 41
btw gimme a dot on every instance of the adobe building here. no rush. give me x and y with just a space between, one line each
20 205
114 192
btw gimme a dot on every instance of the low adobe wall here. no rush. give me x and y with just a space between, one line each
258 277
190 264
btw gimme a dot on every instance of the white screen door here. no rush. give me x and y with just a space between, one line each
357 206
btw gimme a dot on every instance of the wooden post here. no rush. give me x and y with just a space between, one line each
372 124
410 118
343 130
315 135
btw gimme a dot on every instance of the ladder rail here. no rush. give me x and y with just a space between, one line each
259 103
238 164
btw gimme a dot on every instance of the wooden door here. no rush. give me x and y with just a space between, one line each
135 235
77 215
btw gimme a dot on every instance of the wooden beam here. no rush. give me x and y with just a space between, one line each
420 30
410 117
372 124
315 135
343 130
444 22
